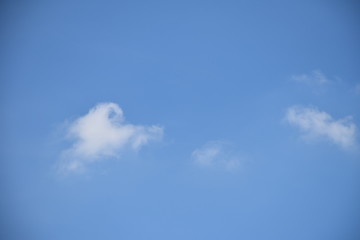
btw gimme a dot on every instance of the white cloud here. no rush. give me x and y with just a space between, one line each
216 155
103 133
314 78
317 124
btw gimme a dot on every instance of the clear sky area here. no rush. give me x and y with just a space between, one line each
174 120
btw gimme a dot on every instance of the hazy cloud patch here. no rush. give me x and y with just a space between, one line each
316 77
357 89
318 124
217 154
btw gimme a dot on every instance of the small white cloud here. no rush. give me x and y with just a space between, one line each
103 133
216 155
314 78
317 124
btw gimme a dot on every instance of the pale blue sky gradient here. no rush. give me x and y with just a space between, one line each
206 71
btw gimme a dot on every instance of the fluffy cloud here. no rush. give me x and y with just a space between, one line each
321 125
103 133
314 78
216 155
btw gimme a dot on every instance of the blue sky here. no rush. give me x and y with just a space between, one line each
180 120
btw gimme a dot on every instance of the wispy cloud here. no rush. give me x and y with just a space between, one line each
318 124
316 77
218 155
103 133
357 89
